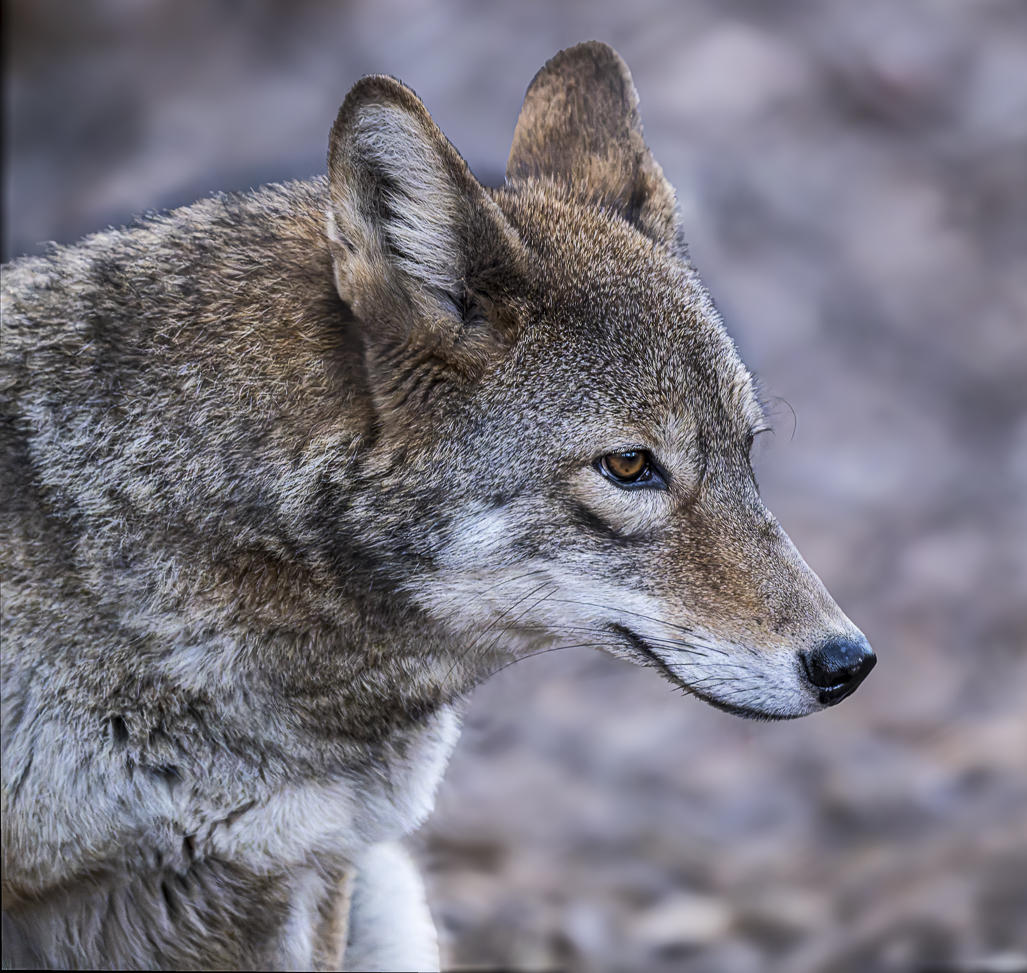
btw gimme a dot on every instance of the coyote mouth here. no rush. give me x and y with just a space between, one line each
641 647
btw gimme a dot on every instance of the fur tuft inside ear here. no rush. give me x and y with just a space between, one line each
406 215
411 205
580 126
420 251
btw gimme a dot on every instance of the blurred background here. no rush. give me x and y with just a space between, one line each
853 180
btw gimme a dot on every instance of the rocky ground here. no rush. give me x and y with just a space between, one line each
853 178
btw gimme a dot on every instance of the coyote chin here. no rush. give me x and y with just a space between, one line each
287 473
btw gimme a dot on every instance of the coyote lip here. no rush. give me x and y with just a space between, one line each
638 644
745 712
835 694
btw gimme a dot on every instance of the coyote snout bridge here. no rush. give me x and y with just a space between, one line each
287 473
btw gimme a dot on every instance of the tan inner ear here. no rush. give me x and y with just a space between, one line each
580 126
407 227
582 103
398 202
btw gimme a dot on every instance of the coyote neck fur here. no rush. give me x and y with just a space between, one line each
286 686
282 493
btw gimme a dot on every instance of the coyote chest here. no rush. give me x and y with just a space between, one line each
342 817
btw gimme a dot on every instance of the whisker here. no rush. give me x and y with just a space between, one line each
508 628
478 648
674 626
449 602
545 651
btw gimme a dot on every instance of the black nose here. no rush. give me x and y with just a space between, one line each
838 666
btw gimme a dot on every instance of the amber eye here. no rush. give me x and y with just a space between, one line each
626 467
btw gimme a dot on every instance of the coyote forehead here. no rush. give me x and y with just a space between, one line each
632 319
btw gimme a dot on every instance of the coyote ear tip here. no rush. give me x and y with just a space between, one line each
595 57
594 50
376 89
391 102
377 84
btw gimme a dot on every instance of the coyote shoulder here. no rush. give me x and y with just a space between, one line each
287 473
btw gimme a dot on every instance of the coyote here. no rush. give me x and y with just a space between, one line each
287 473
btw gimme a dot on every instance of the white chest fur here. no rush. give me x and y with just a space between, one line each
343 816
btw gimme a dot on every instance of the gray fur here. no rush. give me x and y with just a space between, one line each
287 473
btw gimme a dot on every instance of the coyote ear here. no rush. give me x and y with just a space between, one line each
418 245
580 125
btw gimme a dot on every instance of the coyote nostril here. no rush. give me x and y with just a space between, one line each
838 666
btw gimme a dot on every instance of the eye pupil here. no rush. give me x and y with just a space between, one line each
626 467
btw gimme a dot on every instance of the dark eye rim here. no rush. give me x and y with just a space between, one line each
650 478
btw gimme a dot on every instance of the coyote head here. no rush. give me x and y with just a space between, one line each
563 423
